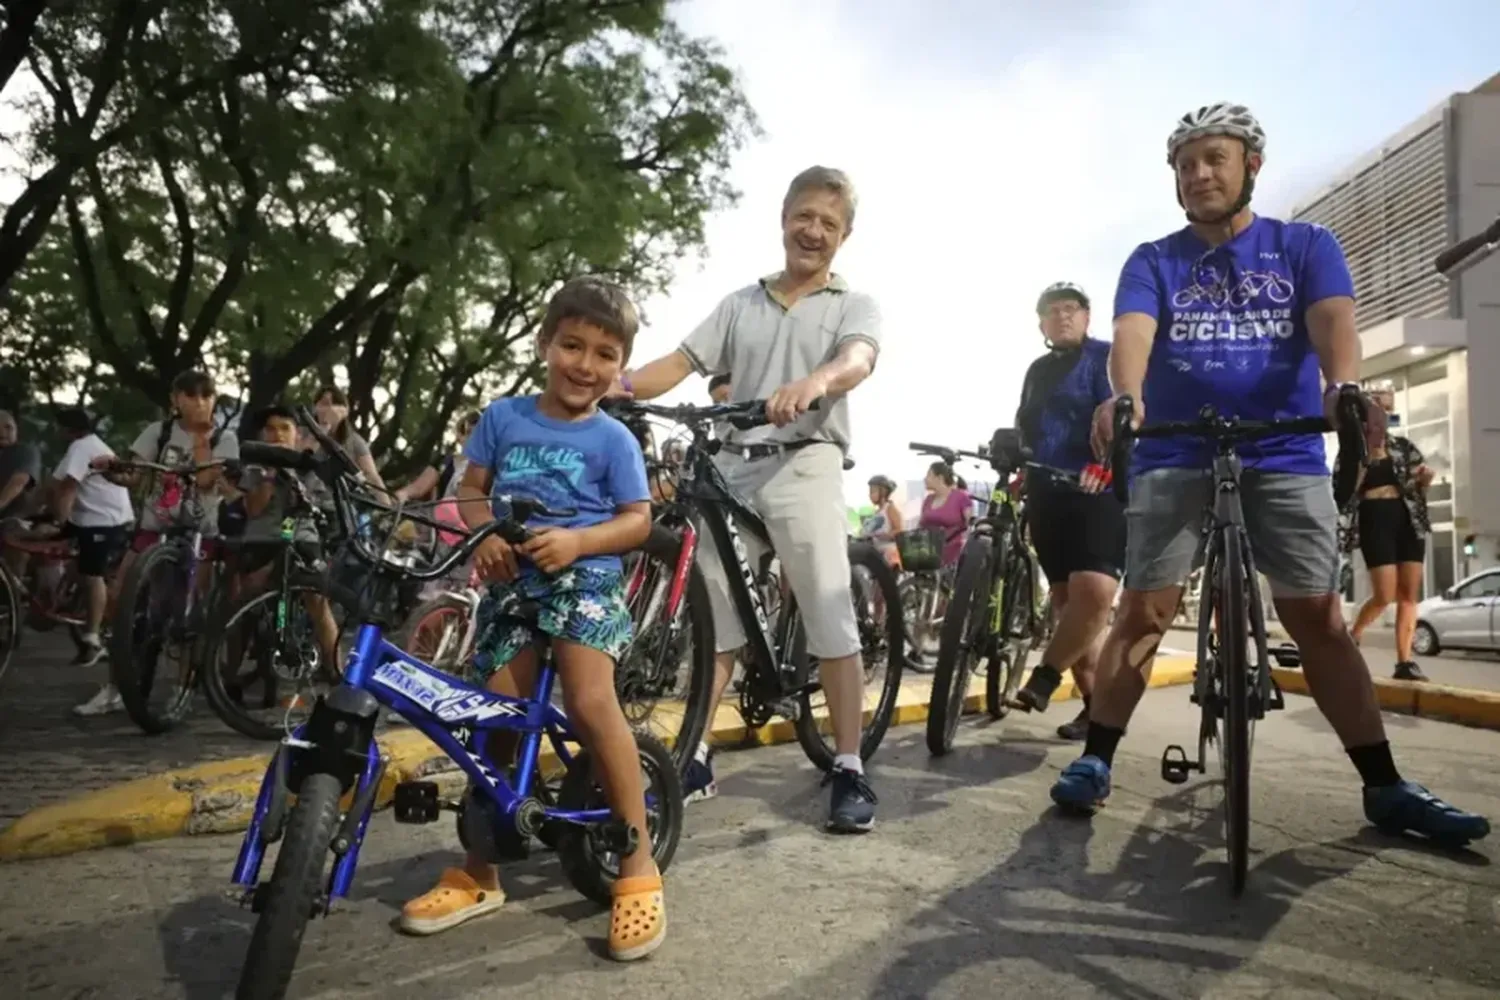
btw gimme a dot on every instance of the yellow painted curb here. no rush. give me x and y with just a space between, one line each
218 797
1480 709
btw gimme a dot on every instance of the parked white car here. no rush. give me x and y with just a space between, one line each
1462 617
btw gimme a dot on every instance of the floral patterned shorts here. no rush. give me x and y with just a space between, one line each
582 604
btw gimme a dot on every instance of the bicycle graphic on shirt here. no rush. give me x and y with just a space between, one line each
1217 293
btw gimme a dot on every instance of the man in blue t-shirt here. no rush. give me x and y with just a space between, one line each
1245 313
1078 531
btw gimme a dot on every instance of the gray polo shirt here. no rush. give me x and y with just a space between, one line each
763 346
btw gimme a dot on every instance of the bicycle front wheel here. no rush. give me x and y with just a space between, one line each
149 631
10 618
964 636
1233 639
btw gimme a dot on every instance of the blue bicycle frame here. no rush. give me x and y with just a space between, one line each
455 715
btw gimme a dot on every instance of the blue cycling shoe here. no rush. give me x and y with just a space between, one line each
1409 808
1083 785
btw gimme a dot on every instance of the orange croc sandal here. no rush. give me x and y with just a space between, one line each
456 899
638 919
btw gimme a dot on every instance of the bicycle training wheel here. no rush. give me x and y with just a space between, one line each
962 643
881 636
148 634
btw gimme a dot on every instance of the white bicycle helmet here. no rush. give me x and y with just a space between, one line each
1221 118
1061 290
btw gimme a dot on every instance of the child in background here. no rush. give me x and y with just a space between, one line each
558 449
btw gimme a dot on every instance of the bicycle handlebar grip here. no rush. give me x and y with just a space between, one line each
1350 427
1119 448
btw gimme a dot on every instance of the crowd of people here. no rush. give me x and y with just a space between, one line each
1186 304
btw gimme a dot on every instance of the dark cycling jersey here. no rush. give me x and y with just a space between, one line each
1058 398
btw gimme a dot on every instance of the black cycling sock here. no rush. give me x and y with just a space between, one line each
1086 701
1101 742
1376 766
1044 680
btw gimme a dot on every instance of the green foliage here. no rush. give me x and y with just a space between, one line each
381 194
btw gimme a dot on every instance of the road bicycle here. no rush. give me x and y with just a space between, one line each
46 595
334 756
163 605
1231 688
780 676
996 615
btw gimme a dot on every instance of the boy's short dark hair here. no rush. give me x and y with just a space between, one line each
717 381
75 420
265 414
597 301
193 383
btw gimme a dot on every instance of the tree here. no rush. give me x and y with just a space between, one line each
400 208
15 34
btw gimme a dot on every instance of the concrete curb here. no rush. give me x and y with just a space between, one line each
1467 707
219 797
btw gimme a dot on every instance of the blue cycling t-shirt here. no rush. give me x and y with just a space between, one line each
1058 398
593 466
1232 332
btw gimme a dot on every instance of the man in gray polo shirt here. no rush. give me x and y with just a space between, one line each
791 338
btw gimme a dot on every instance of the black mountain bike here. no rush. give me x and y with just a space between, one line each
993 614
779 673
1227 686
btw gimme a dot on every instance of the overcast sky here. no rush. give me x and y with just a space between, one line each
998 147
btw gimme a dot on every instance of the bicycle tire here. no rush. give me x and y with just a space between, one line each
809 732
966 621
913 590
132 678
292 893
454 661
1015 642
215 692
664 545
1236 694
10 618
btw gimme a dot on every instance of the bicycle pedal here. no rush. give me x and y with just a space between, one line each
1175 765
1277 701
619 837
416 802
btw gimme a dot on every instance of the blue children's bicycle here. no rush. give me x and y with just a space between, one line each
334 755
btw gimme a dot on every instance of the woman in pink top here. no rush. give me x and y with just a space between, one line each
947 507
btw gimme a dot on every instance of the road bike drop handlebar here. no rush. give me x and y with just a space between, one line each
1466 253
1226 432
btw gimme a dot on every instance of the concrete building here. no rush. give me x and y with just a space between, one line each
1432 184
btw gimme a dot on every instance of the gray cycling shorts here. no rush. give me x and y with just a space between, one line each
1291 520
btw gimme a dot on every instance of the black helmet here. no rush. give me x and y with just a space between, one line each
884 482
1060 291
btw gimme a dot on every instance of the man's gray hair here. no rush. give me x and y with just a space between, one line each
824 179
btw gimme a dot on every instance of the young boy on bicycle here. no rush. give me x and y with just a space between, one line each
558 449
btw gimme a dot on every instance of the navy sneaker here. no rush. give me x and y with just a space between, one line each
851 806
698 784
1083 785
1409 808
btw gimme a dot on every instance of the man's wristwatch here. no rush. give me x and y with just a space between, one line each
1336 387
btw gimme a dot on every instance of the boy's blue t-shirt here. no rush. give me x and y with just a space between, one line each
1232 332
592 465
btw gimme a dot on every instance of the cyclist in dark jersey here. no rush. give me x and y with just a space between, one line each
1079 536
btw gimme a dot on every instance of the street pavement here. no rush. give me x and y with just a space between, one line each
971 886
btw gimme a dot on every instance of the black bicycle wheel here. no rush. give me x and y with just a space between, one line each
914 590
10 618
961 644
289 898
1236 695
669 661
258 679
884 648
147 628
1015 642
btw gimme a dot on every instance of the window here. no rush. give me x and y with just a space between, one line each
1440 556
1427 402
1485 586
1433 441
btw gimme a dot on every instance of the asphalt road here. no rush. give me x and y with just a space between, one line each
1466 670
972 886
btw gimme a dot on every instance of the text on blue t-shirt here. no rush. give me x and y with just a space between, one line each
1232 332
592 466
